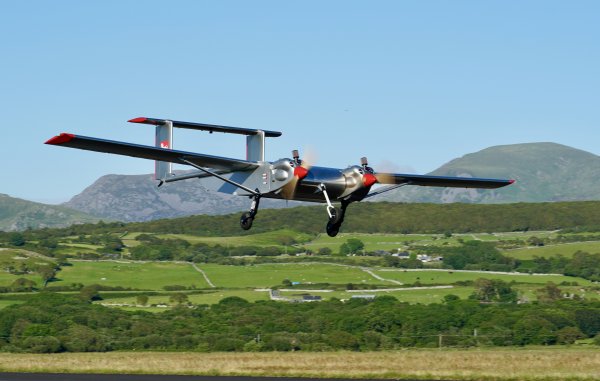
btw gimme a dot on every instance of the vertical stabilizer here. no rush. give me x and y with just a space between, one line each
164 139
255 146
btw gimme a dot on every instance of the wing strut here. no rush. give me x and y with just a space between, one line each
194 175
210 173
385 189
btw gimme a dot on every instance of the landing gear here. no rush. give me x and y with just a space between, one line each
247 218
336 216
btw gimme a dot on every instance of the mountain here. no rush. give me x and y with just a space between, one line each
17 214
137 198
543 172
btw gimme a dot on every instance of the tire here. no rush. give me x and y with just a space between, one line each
332 229
246 221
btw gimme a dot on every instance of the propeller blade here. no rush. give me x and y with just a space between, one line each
300 171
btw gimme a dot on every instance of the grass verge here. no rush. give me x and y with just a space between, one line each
487 364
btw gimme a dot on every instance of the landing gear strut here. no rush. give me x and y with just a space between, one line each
336 216
247 218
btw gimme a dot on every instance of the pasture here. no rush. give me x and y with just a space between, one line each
566 249
425 277
272 238
268 275
138 275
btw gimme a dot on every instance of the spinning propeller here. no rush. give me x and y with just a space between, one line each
301 168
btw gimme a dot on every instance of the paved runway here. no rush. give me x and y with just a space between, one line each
147 377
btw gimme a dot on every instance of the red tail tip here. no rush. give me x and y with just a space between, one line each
511 181
141 119
300 172
60 139
369 179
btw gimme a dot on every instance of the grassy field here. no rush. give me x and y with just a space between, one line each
267 275
510 364
451 276
567 250
273 238
372 241
144 276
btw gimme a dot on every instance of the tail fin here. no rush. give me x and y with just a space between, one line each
164 139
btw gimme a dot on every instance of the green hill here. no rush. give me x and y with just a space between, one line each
17 214
544 172
381 217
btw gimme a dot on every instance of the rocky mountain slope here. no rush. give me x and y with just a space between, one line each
17 214
137 198
543 172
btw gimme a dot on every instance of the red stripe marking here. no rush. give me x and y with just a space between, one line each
60 139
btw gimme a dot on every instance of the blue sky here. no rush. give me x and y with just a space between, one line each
416 83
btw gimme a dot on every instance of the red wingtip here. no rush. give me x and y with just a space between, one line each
511 181
369 179
141 119
60 139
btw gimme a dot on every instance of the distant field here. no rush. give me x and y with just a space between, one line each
450 276
14 257
377 241
409 296
267 275
274 238
146 276
567 250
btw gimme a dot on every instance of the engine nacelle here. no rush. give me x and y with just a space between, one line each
282 170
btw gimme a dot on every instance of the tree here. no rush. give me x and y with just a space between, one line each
179 298
568 335
355 245
47 273
90 293
549 293
142 299
16 239
22 285
324 251
493 290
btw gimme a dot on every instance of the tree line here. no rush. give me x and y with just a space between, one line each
380 217
51 322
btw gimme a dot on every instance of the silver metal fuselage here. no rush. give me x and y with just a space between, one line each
270 178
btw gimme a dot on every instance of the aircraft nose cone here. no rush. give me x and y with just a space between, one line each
369 179
300 172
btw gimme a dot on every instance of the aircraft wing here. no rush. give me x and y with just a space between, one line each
152 153
441 181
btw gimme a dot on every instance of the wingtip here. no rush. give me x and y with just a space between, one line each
60 139
140 119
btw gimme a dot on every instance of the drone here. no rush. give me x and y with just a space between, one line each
254 177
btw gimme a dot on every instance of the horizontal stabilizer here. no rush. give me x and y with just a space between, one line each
205 127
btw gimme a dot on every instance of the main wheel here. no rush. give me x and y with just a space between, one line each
246 221
332 229
335 215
